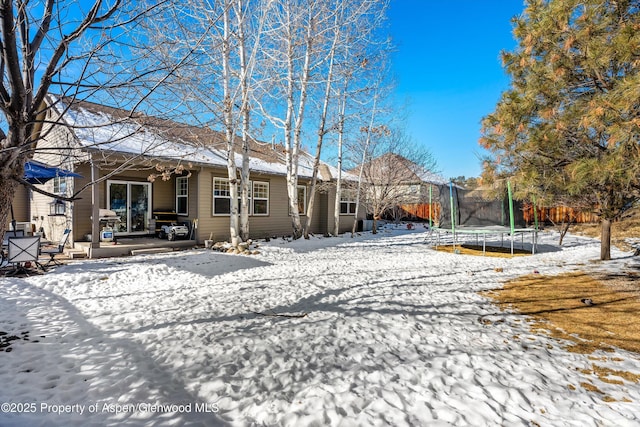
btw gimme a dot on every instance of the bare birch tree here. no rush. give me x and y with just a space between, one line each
295 30
219 82
354 30
368 131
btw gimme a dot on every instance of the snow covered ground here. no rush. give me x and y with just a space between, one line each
395 333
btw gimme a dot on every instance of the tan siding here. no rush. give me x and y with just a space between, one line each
164 195
83 208
20 206
278 223
209 226
193 195
321 207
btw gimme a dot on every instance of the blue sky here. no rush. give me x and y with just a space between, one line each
448 67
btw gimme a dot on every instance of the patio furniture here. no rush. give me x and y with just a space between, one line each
52 252
23 250
5 242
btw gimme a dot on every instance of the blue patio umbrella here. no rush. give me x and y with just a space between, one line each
39 173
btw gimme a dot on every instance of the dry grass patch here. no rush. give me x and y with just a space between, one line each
476 250
556 304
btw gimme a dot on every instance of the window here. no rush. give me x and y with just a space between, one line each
260 198
182 195
302 199
347 202
59 185
221 197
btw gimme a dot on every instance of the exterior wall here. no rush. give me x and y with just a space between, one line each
82 208
200 205
346 221
61 141
20 205
277 223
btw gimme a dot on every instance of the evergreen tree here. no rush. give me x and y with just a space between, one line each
568 129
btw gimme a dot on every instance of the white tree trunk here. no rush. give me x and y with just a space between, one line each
341 123
229 129
323 120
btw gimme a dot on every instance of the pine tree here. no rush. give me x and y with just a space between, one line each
568 129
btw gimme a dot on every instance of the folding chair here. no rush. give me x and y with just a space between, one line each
22 250
52 252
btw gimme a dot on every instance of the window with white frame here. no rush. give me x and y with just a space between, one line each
221 196
347 202
260 198
60 185
182 195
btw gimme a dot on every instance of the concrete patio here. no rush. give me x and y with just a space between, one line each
128 246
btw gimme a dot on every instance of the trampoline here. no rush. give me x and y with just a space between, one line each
465 214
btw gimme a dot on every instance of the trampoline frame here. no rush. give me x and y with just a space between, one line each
486 230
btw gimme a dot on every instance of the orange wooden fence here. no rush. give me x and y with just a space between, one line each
420 211
558 214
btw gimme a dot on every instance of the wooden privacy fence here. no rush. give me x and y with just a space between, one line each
420 211
558 214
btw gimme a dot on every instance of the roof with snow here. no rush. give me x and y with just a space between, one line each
99 127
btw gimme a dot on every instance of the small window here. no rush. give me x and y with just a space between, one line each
60 185
182 195
347 202
260 198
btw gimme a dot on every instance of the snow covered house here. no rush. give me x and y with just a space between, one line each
150 170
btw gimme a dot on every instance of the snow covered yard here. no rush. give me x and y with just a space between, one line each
382 330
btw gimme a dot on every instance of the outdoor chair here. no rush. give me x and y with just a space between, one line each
53 251
13 233
5 242
23 250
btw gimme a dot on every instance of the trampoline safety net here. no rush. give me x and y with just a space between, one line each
475 208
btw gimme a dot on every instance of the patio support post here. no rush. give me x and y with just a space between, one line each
95 210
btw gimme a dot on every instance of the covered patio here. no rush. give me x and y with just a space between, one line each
130 246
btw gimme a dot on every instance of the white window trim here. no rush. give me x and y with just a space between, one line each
251 197
57 181
254 198
185 196
349 199
214 197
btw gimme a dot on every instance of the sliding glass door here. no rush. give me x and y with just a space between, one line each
131 201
